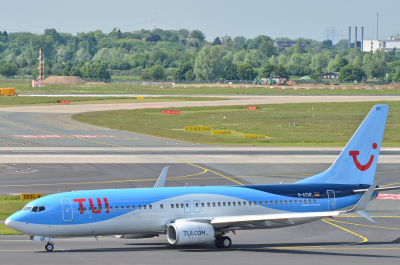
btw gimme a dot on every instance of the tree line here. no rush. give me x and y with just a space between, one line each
186 55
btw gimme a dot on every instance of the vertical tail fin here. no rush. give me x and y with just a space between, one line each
356 164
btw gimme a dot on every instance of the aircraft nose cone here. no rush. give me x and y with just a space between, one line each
10 223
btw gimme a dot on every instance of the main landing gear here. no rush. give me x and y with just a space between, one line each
223 242
49 247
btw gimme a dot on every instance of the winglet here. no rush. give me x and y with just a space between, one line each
363 202
161 179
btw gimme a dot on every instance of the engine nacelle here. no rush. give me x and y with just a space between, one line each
136 236
190 233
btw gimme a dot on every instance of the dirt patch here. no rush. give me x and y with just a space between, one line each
163 84
96 83
291 83
64 80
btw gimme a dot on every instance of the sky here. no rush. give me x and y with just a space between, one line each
279 18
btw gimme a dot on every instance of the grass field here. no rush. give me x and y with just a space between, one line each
5 230
317 124
23 88
27 101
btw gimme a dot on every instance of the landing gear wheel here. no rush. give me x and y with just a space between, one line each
49 247
225 242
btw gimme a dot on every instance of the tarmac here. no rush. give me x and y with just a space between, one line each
70 160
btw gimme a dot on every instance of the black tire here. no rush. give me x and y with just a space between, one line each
49 247
225 242
216 241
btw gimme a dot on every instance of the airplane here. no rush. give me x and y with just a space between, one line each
201 215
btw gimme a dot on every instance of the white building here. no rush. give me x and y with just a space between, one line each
382 45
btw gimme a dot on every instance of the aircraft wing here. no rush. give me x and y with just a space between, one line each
287 218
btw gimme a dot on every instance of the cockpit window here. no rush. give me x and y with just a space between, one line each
41 209
34 209
27 208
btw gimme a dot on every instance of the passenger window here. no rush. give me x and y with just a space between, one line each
127 207
106 208
285 201
255 203
281 202
116 208
223 204
208 204
111 208
290 201
90 208
315 201
239 203
295 201
197 205
249 204
150 207
276 202
172 206
260 202
79 209
177 205
309 201
271 202
233 203
144 207
213 204
229 203
181 205
140 207
161 206
244 203
122 207
219 204
202 204
266 202
133 207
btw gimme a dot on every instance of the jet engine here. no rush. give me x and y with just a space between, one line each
136 236
190 233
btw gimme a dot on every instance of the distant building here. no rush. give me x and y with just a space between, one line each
287 44
332 75
382 45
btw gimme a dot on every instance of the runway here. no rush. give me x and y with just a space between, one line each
332 241
42 150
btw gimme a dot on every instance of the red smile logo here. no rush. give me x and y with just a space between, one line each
354 154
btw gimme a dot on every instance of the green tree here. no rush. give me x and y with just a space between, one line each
197 34
351 73
281 71
341 62
267 70
245 71
145 75
95 70
208 64
239 40
267 48
299 47
157 72
396 76
183 69
231 72
217 41
8 69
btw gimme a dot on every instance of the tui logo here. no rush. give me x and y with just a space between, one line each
354 154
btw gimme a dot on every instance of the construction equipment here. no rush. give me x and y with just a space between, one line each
7 92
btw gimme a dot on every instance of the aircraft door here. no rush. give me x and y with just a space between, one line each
196 206
67 209
187 206
331 200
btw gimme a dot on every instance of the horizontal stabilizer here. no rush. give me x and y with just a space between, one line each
378 189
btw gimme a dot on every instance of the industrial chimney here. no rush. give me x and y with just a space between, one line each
376 30
349 44
362 39
355 38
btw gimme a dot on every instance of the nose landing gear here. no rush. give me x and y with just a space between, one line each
49 247
223 242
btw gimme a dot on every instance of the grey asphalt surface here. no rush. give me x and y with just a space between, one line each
315 243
